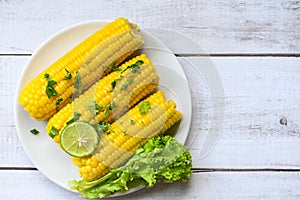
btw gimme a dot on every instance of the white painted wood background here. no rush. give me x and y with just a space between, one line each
255 46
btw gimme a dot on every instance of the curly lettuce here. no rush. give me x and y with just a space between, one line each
161 158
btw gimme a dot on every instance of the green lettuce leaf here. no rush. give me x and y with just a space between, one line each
161 158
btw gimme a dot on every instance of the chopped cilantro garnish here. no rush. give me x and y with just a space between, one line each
144 107
104 126
58 101
68 76
70 121
139 62
113 67
132 122
114 83
77 82
107 112
76 116
34 131
113 106
133 66
108 107
127 82
50 91
53 132
94 107
136 69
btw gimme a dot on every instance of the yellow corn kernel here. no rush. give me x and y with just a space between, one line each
124 136
145 81
112 43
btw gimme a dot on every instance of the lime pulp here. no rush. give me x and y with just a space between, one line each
79 139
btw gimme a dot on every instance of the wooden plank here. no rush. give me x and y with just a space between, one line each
12 151
259 92
217 26
217 185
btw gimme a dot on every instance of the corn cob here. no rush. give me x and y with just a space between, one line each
145 81
127 134
53 88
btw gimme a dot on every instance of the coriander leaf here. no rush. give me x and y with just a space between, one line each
98 107
136 69
53 132
70 121
139 62
113 85
34 131
113 67
77 83
50 91
144 107
135 65
109 107
113 106
58 101
107 112
75 118
68 76
104 126
94 107
47 77
127 82
132 122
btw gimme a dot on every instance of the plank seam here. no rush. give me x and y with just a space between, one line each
245 170
239 54
195 170
202 54
18 168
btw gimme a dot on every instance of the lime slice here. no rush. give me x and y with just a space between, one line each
79 139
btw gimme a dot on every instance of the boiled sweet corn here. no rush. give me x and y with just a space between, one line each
110 97
53 88
128 133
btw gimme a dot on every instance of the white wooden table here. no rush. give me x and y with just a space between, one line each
255 46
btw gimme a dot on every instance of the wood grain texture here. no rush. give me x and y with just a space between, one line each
259 92
217 26
209 186
257 155
13 153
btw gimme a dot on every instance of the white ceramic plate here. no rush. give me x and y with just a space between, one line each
45 153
